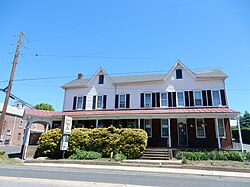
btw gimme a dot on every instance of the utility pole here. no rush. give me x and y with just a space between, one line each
2 118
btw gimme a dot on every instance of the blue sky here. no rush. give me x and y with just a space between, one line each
64 38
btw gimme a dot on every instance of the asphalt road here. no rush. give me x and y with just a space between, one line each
53 176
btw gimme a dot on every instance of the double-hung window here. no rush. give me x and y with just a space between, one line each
221 128
148 127
178 73
122 101
180 98
164 101
79 103
200 128
148 99
99 101
164 128
101 79
216 98
197 98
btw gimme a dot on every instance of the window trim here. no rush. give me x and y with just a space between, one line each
151 131
164 99
176 74
177 99
99 82
162 136
201 98
97 101
145 106
213 97
119 104
204 128
224 128
77 97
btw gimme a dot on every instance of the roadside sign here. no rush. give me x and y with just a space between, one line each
64 143
66 125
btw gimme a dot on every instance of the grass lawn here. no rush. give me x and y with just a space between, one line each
220 163
4 159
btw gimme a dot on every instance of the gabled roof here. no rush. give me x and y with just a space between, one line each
145 77
179 63
100 70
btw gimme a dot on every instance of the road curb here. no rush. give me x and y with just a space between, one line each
92 162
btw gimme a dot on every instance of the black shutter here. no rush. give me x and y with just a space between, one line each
127 100
74 103
223 97
174 99
104 104
191 98
116 101
84 102
186 98
142 100
158 99
209 98
204 97
153 99
94 102
170 103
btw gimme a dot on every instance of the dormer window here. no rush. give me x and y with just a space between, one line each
101 79
179 74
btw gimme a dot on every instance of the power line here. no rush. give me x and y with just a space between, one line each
118 17
56 86
128 73
136 26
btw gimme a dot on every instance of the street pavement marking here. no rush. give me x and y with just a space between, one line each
83 183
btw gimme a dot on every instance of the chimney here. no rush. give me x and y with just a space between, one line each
79 76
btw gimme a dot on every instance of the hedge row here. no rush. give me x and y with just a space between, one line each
107 141
214 155
245 133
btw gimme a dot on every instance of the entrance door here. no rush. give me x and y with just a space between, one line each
182 134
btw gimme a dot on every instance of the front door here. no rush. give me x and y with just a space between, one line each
182 134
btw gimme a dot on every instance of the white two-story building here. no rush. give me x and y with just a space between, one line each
177 109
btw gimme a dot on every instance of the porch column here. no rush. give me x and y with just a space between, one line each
239 131
139 123
217 132
96 124
169 133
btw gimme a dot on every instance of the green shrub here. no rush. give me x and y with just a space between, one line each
85 155
213 155
245 133
131 142
49 144
120 156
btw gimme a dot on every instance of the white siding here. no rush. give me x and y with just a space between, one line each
171 84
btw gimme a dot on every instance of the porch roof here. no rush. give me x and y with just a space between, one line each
134 112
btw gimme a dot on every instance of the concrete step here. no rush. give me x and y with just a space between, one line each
158 155
149 152
154 158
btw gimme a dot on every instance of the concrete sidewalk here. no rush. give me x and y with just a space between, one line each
145 169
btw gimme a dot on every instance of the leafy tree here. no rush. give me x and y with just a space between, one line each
44 106
245 120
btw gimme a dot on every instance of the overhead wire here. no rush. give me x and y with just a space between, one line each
128 73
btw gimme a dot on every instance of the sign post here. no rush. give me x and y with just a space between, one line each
65 130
